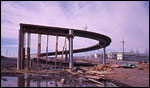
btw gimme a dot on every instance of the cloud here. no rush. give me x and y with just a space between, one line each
128 20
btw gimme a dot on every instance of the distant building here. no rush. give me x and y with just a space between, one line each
99 55
112 55
132 56
127 55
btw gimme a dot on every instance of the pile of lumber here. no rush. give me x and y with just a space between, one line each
94 74
102 67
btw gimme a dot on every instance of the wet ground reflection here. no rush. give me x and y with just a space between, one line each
34 80
26 81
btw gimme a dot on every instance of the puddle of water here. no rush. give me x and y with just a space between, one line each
25 81
28 81
9 82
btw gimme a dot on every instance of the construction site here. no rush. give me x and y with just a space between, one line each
49 70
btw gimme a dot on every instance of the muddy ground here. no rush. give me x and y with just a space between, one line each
122 77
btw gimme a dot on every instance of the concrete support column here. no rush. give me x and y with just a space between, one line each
39 48
21 81
28 49
71 50
104 59
56 50
47 50
19 52
22 49
28 80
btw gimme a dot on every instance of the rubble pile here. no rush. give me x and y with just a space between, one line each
102 67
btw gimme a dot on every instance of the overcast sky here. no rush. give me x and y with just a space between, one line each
116 19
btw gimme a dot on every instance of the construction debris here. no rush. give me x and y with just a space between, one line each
102 67
96 81
143 67
62 81
91 73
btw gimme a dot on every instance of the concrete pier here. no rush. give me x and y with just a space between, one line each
104 58
47 50
71 50
19 52
28 50
39 48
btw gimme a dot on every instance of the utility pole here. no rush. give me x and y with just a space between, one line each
6 53
85 27
123 48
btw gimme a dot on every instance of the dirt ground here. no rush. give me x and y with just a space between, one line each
130 77
123 77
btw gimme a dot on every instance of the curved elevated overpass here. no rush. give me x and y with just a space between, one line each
103 40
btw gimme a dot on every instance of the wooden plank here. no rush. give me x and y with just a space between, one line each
98 72
62 52
96 81
93 77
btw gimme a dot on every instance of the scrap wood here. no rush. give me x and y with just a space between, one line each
73 73
93 77
62 81
99 72
84 68
102 67
80 71
95 81
81 78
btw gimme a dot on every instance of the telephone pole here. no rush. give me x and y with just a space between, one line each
6 53
123 42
